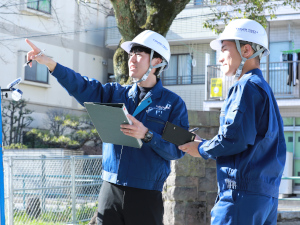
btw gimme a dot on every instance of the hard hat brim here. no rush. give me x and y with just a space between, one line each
127 45
217 45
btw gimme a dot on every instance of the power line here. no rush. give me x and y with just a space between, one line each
100 29
58 33
88 30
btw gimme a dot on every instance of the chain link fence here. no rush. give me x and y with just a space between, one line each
44 190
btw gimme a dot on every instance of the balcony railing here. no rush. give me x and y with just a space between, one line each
283 79
193 3
182 80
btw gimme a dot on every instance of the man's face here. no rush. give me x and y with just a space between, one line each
138 64
230 58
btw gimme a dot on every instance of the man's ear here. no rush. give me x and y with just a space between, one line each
247 51
156 61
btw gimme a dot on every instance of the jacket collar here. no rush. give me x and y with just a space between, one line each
155 92
255 71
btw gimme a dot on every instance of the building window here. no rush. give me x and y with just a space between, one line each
198 2
179 71
40 5
37 73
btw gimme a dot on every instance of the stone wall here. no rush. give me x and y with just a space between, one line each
191 189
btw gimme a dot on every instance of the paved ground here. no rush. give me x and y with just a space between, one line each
289 212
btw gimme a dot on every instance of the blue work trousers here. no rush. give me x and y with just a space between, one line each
234 207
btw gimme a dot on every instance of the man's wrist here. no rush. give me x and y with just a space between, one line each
148 136
51 65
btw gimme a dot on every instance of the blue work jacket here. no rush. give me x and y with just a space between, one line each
250 147
145 168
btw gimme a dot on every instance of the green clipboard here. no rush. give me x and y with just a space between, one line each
107 118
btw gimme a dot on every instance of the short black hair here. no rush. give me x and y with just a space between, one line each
141 48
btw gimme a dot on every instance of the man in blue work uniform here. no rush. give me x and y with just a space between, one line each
249 148
133 178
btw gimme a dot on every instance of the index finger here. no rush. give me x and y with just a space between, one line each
133 119
32 45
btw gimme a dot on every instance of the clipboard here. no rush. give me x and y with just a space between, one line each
176 134
107 118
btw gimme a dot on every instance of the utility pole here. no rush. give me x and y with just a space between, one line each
16 95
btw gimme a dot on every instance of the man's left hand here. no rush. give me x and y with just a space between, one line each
191 148
136 130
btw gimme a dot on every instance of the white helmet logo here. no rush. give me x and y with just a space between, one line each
247 30
156 41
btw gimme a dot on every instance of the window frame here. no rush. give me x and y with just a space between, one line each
38 4
177 77
36 80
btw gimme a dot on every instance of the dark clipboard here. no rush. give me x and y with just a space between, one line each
107 118
177 135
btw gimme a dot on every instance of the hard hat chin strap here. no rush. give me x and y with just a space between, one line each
162 64
239 70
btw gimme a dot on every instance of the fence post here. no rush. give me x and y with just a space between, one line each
24 192
11 193
73 190
43 179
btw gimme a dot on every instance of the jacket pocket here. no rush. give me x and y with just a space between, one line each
156 123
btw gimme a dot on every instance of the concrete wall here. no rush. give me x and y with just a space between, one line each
191 189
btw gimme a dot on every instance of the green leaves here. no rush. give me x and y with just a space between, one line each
80 131
16 118
252 9
16 146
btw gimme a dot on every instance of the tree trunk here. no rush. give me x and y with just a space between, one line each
134 16
120 64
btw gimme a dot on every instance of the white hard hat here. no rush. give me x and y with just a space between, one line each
243 30
152 40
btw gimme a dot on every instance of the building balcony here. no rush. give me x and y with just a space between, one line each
203 3
186 28
183 80
283 79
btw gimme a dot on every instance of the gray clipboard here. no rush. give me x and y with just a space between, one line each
107 118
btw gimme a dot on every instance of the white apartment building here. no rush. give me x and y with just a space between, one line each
71 33
190 77
83 37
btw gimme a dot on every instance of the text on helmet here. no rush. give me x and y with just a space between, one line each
247 30
156 41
